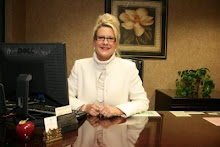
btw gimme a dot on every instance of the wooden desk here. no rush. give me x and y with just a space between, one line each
191 131
166 101
165 131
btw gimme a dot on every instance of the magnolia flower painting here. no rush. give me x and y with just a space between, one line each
137 27
143 27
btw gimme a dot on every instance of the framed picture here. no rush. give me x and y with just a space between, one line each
143 26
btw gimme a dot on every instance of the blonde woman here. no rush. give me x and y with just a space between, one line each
106 84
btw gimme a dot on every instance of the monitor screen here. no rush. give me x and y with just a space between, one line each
45 62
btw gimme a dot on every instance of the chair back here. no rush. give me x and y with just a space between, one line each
140 66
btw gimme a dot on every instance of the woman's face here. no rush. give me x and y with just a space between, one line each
105 43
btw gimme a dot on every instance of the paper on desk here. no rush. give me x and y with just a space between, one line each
214 113
63 110
180 114
195 112
50 123
213 120
147 113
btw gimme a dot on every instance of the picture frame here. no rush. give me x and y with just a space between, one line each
143 26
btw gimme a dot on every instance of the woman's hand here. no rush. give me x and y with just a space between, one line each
93 109
104 110
109 111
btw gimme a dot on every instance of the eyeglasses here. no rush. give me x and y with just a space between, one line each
109 39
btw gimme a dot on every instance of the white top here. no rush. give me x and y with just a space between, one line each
102 65
122 85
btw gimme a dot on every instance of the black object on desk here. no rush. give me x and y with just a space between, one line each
166 101
22 94
67 122
2 100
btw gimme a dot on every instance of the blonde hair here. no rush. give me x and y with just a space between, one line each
108 20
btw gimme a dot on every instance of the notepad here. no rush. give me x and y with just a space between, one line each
147 113
195 112
213 120
180 114
214 113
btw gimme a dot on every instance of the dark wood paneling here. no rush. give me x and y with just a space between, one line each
2 20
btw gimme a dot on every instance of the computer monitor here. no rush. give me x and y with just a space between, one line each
42 65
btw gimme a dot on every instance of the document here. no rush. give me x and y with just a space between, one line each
63 110
180 114
195 112
50 123
214 113
213 120
147 113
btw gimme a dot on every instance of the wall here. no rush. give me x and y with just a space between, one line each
192 41
15 24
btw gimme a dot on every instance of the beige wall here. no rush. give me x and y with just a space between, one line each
192 41
15 20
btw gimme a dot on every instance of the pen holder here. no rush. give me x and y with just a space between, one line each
67 122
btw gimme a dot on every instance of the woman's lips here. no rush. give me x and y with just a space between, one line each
104 48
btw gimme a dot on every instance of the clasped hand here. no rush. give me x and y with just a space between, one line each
102 110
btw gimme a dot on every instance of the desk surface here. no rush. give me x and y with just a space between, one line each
165 131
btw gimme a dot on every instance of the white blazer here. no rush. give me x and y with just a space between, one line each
122 87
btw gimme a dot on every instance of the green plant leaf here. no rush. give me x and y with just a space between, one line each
194 83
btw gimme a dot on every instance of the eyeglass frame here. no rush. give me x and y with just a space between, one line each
102 38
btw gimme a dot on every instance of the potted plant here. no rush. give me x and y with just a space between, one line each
194 83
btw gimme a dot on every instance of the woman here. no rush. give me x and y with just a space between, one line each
105 84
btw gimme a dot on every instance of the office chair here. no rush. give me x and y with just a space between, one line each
139 64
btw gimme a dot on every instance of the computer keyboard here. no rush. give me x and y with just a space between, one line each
79 114
41 108
46 109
